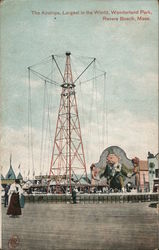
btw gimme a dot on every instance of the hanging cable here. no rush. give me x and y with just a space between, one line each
100 67
45 78
93 78
46 123
48 134
106 113
43 124
50 139
45 136
80 94
31 132
82 57
96 104
45 60
29 99
49 102
92 92
104 110
105 107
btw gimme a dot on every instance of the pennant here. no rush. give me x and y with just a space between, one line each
10 160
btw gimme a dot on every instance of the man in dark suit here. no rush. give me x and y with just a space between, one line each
74 195
115 172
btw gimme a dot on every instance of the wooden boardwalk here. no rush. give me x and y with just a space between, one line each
109 226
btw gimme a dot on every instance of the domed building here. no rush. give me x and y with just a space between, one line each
19 176
10 176
2 177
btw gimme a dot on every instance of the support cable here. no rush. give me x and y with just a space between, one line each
30 111
50 142
82 57
45 78
106 113
84 70
53 57
93 78
29 98
43 124
96 102
48 135
46 132
45 60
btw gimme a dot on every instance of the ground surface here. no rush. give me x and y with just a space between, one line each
111 226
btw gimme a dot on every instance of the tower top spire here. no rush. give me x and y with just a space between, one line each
68 53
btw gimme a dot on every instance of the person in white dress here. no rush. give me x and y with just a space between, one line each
14 193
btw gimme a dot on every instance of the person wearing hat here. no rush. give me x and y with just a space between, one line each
6 195
74 195
115 172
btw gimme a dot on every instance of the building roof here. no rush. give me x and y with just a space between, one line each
11 175
20 177
83 181
157 156
2 177
143 165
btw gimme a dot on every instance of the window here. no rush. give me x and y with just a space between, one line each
157 173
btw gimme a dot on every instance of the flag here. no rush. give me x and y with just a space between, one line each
10 160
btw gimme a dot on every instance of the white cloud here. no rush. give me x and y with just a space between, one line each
135 136
15 142
147 84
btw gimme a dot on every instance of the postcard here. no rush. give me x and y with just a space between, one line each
79 124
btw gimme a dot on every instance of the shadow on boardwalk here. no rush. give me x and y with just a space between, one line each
48 226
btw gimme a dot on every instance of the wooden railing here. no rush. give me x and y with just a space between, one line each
93 198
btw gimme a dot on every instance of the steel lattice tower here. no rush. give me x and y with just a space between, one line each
68 159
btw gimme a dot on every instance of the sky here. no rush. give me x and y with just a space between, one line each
126 109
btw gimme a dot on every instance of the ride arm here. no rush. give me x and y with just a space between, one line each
125 171
106 173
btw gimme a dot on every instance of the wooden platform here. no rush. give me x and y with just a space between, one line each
105 226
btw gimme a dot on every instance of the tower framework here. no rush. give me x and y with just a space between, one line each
68 159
